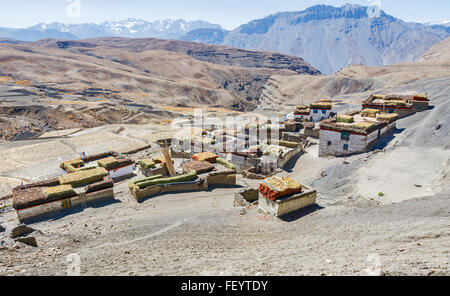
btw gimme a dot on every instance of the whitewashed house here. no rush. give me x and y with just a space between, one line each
357 135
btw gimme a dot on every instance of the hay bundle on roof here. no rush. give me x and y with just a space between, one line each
364 125
82 178
276 187
108 163
387 117
420 97
288 144
370 113
344 118
132 183
72 165
378 96
24 198
59 192
30 197
205 156
147 163
395 103
321 105
397 97
283 143
200 167
225 163
176 179
301 107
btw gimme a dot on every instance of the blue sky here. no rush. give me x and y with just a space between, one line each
228 13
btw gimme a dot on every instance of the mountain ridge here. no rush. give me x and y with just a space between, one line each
129 27
327 37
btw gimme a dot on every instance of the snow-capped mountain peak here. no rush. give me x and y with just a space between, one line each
130 27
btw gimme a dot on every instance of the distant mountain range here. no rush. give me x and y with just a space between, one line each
327 37
132 28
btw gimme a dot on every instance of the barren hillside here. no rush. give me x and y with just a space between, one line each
438 53
119 80
354 83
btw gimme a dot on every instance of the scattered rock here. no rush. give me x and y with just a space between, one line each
21 230
2 229
29 241
418 186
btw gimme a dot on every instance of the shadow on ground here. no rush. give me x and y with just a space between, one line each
291 217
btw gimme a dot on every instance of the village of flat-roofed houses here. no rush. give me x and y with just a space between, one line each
205 155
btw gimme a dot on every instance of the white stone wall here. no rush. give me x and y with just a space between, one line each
319 116
372 138
356 144
124 171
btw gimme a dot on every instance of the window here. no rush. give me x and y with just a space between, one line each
315 111
329 143
324 111
345 136
391 111
346 147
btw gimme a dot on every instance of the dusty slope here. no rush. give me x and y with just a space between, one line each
119 80
438 53
221 55
202 234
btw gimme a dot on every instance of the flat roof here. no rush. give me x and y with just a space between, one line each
360 125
